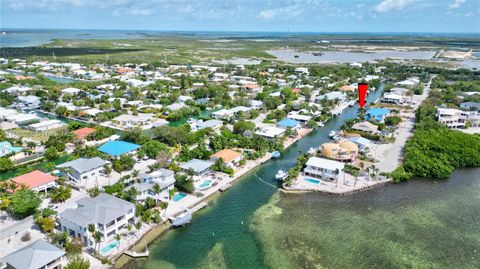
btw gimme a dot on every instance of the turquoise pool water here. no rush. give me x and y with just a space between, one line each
179 196
311 180
109 247
205 184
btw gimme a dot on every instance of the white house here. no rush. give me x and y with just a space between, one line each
127 121
392 98
110 215
46 125
39 254
82 169
324 169
28 102
298 117
269 131
452 118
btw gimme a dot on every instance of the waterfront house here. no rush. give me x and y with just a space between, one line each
145 190
18 90
288 123
6 149
337 95
163 177
71 91
230 157
213 124
82 133
28 102
321 168
110 215
344 151
366 127
176 106
46 125
127 121
222 114
392 98
36 180
377 114
84 169
303 119
269 131
39 254
22 118
197 166
119 148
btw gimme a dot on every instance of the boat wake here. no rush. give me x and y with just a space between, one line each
267 183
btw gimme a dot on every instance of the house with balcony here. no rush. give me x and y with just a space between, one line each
321 168
452 118
84 169
39 254
36 181
110 215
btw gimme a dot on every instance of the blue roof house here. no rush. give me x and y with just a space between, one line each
6 149
288 123
377 114
118 148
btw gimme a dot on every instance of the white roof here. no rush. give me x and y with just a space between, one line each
270 131
71 90
325 163
299 117
392 96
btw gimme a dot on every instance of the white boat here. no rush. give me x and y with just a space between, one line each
337 137
281 175
332 134
351 103
312 151
182 219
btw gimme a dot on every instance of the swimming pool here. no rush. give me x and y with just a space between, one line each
109 247
311 180
205 184
179 196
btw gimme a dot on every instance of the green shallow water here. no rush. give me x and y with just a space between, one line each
419 224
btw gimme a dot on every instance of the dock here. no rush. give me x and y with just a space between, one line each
134 254
197 207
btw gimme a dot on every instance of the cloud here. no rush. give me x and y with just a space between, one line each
281 12
391 5
140 12
456 4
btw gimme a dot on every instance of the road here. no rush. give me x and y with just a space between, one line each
394 155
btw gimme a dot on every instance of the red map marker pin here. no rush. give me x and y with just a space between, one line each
362 93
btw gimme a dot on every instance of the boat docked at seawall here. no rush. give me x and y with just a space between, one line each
182 219
276 154
332 134
281 175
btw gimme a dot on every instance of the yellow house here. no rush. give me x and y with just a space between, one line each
344 151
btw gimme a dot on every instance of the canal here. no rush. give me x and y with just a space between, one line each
222 221
418 224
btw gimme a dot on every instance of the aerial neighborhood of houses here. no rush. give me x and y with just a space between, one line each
96 156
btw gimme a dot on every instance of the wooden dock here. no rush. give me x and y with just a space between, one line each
134 254
198 207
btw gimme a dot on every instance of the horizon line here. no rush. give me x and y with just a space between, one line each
246 31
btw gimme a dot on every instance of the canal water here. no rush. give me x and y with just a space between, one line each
419 224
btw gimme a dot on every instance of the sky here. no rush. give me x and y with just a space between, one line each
247 15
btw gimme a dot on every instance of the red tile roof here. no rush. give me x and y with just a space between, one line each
82 133
34 179
295 90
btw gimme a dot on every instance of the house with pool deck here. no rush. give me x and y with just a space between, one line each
321 168
107 213
377 114
197 166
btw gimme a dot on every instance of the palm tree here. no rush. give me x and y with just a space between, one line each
91 230
138 226
97 236
157 190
